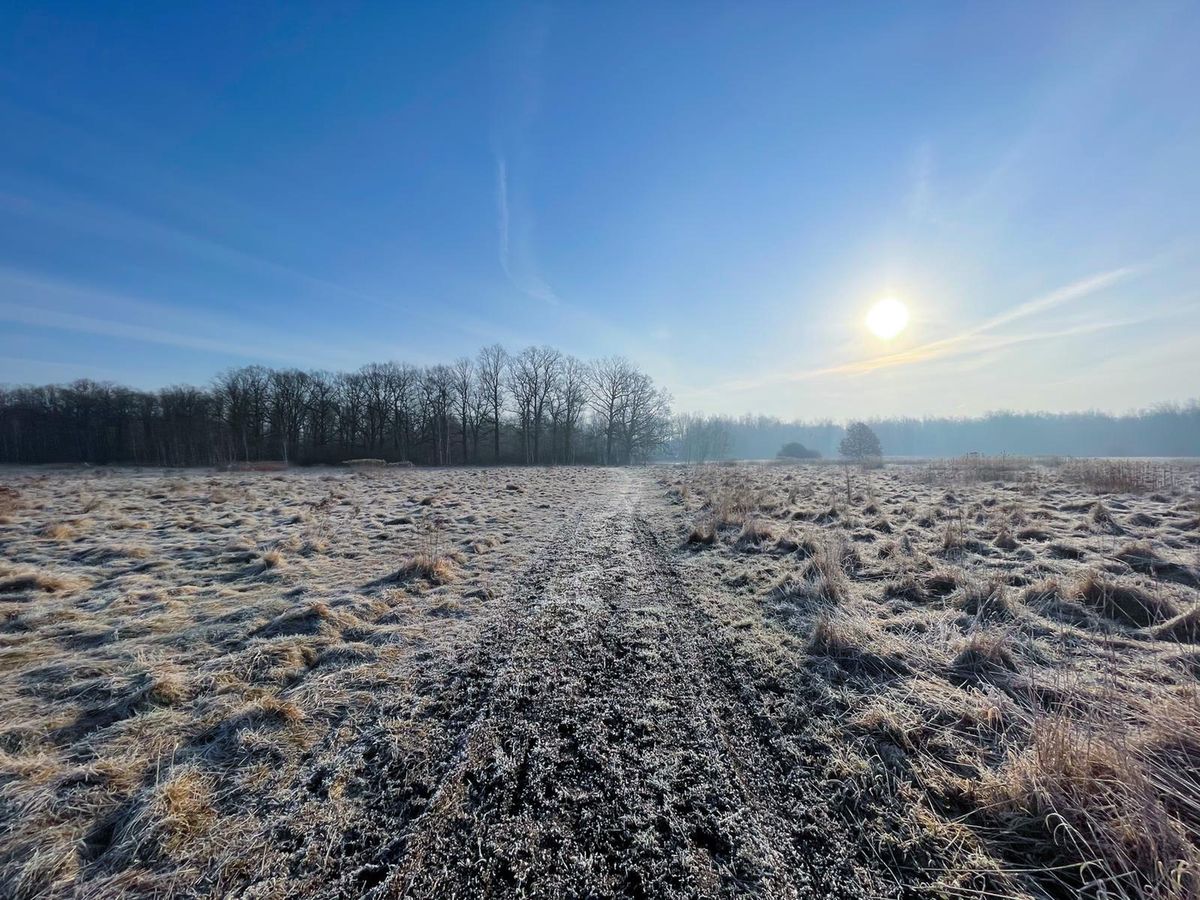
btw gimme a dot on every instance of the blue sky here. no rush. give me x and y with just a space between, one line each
718 191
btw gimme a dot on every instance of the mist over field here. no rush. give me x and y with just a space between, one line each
1167 430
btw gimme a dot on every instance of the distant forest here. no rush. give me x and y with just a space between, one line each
538 406
535 407
1165 430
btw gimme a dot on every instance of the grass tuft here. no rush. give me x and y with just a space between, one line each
1121 602
58 531
436 570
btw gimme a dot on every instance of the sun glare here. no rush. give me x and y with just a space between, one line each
887 318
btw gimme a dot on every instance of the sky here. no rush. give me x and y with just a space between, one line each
719 192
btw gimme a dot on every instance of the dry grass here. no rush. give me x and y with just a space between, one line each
1008 669
977 468
1123 476
1088 803
702 534
1124 602
58 531
157 698
37 581
755 534
243 681
434 569
10 499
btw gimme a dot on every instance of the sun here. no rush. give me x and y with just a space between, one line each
887 318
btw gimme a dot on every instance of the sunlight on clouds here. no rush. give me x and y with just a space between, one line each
974 339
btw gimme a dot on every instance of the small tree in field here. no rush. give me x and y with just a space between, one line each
860 443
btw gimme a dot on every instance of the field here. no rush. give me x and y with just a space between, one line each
964 679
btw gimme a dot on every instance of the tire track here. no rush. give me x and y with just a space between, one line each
617 754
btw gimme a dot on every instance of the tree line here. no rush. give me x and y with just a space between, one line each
538 406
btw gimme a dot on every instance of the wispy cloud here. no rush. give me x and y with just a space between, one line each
262 277
516 261
1074 291
976 339
503 217
518 59
55 304
106 221
54 370
980 344
50 318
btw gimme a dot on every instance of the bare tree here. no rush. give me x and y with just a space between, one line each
522 381
646 420
352 401
378 386
702 438
572 391
322 412
546 364
288 403
437 388
404 382
464 389
532 375
476 413
233 400
608 386
242 395
258 390
492 366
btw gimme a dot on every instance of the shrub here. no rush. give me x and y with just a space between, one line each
796 450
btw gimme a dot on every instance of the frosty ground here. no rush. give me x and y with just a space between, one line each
780 681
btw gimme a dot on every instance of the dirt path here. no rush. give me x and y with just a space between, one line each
604 739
